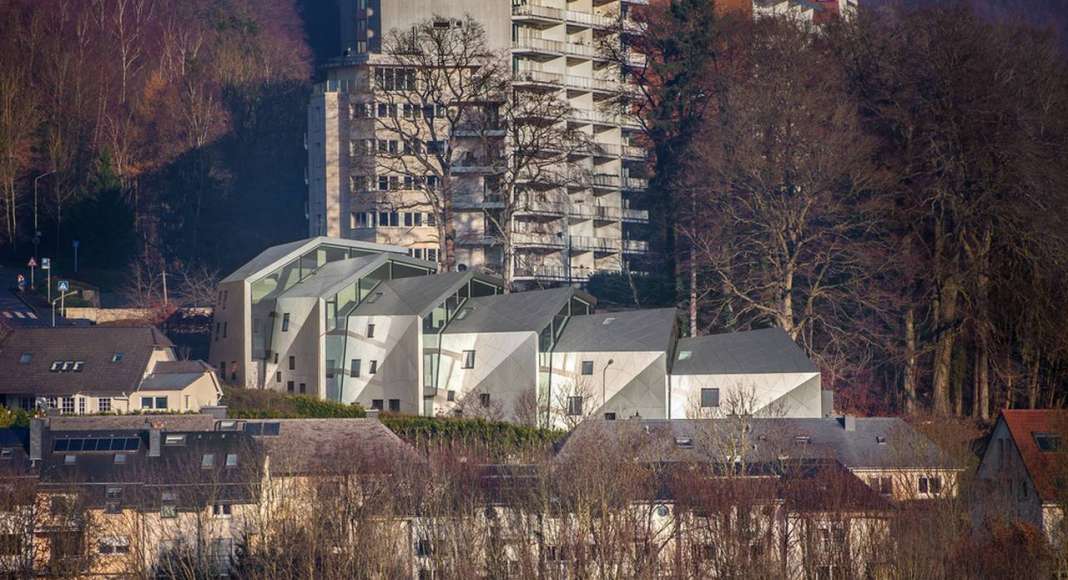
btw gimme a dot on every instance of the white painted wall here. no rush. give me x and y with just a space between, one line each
635 382
397 347
302 341
793 395
506 366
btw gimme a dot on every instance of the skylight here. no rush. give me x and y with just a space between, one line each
25 358
1048 442
685 354
117 357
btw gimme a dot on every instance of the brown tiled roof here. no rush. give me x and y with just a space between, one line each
1048 469
95 346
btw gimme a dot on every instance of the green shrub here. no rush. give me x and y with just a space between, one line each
14 418
261 404
493 434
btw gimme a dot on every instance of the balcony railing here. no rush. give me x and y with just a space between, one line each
538 239
537 76
342 86
590 243
537 11
636 216
636 183
635 246
633 152
605 180
535 43
553 273
588 19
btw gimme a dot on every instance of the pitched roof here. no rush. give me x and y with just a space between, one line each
304 446
874 443
168 422
632 330
416 295
283 253
514 312
94 346
333 275
170 381
1048 469
181 366
768 350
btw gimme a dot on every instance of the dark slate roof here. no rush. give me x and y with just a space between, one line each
1048 469
633 330
768 350
93 345
291 250
514 312
178 468
414 296
875 442
169 422
181 367
306 446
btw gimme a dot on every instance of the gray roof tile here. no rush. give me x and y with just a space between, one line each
769 350
632 330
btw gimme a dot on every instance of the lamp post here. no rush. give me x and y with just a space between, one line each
604 390
37 230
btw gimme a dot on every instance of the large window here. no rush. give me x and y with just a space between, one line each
930 484
709 398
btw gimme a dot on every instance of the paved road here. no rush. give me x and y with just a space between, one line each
13 310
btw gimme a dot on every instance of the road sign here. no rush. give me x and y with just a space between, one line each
46 264
32 263
63 286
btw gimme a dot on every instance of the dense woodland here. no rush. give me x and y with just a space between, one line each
891 190
174 129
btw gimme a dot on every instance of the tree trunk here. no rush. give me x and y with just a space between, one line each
1032 360
693 295
947 336
910 361
981 392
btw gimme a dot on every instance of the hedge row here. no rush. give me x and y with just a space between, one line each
449 429
261 404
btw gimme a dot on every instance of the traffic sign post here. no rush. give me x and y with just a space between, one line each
33 266
46 265
63 286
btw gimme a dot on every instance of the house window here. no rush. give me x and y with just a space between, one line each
354 367
226 325
114 545
330 364
1048 442
376 404
303 388
289 386
285 322
292 363
168 511
370 331
161 403
103 405
587 367
484 400
469 359
423 548
68 405
81 405
394 405
278 376
25 358
930 484
373 368
609 416
207 461
574 406
221 510
709 398
113 493
117 357
450 396
231 460
882 484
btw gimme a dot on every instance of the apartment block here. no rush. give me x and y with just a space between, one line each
361 323
563 230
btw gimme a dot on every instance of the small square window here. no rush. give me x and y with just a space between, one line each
147 402
376 404
484 399
370 331
120 459
103 405
709 398
161 403
25 358
231 460
394 405
208 461
285 322
168 511
373 368
221 510
685 354
587 367
450 396
609 416
469 359
290 386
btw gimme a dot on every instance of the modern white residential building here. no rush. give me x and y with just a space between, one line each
354 322
563 232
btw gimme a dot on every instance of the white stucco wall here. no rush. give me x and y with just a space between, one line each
635 382
302 341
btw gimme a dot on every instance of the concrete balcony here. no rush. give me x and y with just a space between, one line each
537 78
534 44
536 12
632 152
543 208
467 204
635 246
605 181
595 244
538 240
553 273
635 183
636 216
342 86
587 19
476 240
581 50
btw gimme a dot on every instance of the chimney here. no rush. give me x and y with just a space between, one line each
849 422
36 434
154 436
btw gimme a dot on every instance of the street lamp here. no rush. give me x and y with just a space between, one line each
36 229
604 390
